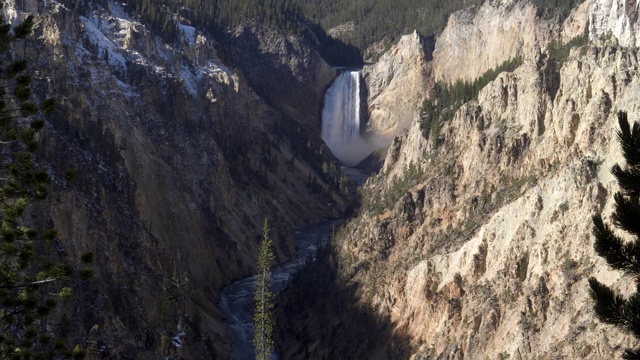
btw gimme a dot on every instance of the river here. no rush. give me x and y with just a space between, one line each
236 300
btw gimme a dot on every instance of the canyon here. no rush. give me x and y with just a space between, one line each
165 160
472 241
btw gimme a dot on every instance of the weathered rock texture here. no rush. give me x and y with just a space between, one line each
397 84
481 38
617 19
478 245
177 163
283 70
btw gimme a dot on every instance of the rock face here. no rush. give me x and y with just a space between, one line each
177 161
478 245
283 70
397 84
478 39
616 18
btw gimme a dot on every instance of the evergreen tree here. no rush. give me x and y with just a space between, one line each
263 313
611 307
30 278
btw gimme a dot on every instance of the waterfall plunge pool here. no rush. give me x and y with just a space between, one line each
341 119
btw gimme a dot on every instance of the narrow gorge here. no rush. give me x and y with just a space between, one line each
176 161
486 148
474 240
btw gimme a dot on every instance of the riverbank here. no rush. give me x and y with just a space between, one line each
236 300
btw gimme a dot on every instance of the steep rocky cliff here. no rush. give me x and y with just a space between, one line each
283 70
616 19
476 243
165 162
397 83
480 38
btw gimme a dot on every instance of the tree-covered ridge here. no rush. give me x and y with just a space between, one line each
376 20
220 17
214 16
372 21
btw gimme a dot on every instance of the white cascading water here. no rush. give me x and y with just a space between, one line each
341 117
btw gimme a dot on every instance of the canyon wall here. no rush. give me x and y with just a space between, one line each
396 83
616 20
480 38
476 242
165 161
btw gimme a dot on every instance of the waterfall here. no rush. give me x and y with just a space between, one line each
341 117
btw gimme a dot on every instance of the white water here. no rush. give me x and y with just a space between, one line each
236 300
341 119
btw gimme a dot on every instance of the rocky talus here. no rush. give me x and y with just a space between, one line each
165 162
474 242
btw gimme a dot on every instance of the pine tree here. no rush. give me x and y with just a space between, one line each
30 278
611 307
263 313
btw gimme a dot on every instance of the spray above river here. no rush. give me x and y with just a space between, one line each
341 119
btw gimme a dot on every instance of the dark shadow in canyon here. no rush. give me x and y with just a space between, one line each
318 317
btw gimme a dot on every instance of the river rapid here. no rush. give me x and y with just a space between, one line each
236 300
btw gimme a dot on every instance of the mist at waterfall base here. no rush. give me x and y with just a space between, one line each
341 120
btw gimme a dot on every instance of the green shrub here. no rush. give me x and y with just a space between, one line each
560 52
446 100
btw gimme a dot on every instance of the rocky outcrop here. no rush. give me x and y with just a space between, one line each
617 19
397 84
175 162
342 30
283 70
492 265
480 38
477 243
